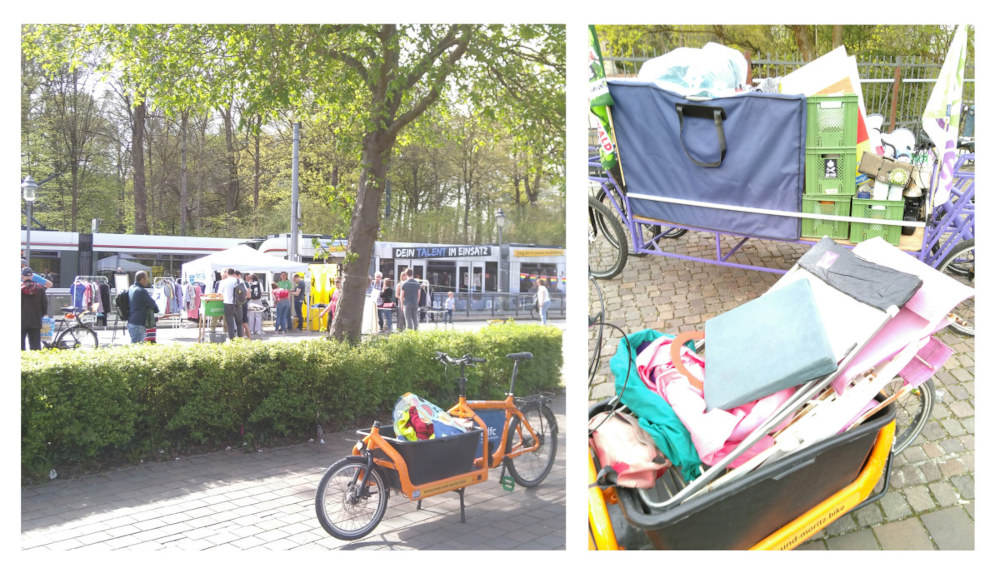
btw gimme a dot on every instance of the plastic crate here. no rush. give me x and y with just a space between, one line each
832 121
876 209
831 171
838 205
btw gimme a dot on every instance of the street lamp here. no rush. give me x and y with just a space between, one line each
501 219
28 187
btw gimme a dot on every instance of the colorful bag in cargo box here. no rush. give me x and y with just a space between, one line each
439 421
746 150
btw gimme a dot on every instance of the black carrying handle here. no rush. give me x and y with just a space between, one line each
704 112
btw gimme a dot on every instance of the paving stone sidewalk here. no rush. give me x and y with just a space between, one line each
931 503
265 500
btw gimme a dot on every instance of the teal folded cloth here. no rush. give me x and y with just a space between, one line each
653 412
771 343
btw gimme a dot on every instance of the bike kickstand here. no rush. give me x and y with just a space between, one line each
461 497
506 481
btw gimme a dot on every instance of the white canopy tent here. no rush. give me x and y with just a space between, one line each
114 262
242 258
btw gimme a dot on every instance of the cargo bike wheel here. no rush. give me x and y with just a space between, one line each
607 247
530 468
960 264
349 505
913 410
647 231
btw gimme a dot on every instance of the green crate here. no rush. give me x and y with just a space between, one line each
212 308
876 209
832 121
838 205
831 171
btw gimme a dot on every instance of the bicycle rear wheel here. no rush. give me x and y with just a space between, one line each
960 264
913 410
608 249
346 508
76 337
530 468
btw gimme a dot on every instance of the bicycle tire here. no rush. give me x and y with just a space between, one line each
606 256
534 312
529 469
75 337
913 410
654 230
338 490
960 264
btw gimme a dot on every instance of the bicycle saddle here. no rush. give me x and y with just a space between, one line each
521 356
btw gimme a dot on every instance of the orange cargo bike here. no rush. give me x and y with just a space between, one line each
518 433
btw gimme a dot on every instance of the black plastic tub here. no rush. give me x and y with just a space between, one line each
440 458
741 513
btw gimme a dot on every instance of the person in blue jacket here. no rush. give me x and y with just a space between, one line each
139 302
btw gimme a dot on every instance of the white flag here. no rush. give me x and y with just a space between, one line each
943 112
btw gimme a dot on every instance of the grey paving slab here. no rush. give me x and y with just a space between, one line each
950 528
937 473
265 501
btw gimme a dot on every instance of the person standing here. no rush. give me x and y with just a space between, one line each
36 278
388 306
449 306
282 308
33 307
245 307
400 319
544 301
410 300
140 302
232 312
283 281
331 308
256 294
299 297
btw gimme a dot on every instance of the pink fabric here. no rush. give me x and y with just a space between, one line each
922 316
932 356
714 433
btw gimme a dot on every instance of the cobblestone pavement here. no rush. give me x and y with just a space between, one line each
265 500
931 503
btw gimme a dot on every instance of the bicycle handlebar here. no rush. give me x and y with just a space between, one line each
466 359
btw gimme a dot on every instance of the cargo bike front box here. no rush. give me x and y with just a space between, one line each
777 506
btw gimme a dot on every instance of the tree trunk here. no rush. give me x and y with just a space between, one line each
256 165
233 184
364 230
138 168
804 41
838 36
151 180
184 200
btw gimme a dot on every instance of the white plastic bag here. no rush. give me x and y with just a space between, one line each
712 71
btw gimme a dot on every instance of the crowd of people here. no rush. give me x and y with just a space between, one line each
243 296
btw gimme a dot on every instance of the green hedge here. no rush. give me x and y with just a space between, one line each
137 400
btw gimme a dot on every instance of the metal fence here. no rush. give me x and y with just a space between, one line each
895 87
488 305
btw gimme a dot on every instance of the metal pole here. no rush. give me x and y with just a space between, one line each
27 241
293 240
502 286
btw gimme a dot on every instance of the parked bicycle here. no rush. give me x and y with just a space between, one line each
71 332
353 494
